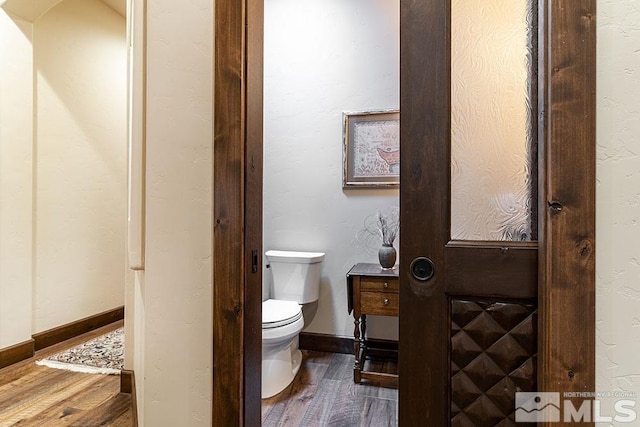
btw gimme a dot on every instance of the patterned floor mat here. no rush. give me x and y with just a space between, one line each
101 355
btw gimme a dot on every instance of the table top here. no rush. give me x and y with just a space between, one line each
373 270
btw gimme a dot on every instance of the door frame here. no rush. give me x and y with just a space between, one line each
567 197
566 229
237 212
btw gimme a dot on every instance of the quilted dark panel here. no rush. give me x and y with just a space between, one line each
493 355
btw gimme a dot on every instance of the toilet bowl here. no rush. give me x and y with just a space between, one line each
282 322
296 281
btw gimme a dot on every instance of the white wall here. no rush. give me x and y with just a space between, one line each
80 179
618 198
323 57
16 156
172 297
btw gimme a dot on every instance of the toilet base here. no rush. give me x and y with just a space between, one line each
280 368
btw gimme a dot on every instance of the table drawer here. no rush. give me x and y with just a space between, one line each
379 284
379 303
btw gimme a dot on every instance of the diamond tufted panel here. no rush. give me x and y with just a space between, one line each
493 356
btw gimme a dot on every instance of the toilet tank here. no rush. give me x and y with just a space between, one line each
296 275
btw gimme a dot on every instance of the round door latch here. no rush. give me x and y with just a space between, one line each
422 269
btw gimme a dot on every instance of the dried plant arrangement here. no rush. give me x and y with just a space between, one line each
382 227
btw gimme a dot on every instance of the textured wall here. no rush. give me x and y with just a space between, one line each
323 58
80 179
16 156
618 197
174 296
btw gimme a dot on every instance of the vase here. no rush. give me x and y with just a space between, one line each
387 256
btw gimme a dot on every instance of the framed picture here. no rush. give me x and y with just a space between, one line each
371 153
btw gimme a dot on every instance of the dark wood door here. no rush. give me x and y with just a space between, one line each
469 308
468 332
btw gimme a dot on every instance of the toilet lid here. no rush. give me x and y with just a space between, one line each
276 313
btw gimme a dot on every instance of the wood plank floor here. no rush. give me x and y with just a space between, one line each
324 394
32 395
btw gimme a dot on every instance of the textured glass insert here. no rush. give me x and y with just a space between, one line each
491 119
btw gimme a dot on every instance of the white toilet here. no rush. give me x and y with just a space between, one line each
296 281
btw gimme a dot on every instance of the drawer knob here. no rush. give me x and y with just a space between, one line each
386 285
386 301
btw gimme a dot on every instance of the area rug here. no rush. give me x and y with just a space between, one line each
101 355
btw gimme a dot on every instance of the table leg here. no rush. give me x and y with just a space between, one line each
356 350
363 331
363 340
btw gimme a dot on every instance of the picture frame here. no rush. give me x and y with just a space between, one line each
371 149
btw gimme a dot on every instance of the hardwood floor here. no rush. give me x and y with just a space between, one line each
324 394
32 395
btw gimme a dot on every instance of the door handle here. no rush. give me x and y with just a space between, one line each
254 261
422 269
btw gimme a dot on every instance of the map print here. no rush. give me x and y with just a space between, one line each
376 148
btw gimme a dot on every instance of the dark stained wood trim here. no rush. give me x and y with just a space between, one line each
383 379
79 327
425 128
334 344
567 198
253 214
502 269
325 343
128 385
126 381
237 184
16 353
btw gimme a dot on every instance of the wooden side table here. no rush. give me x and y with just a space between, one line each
370 290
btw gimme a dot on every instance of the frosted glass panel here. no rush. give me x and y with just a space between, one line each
491 119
